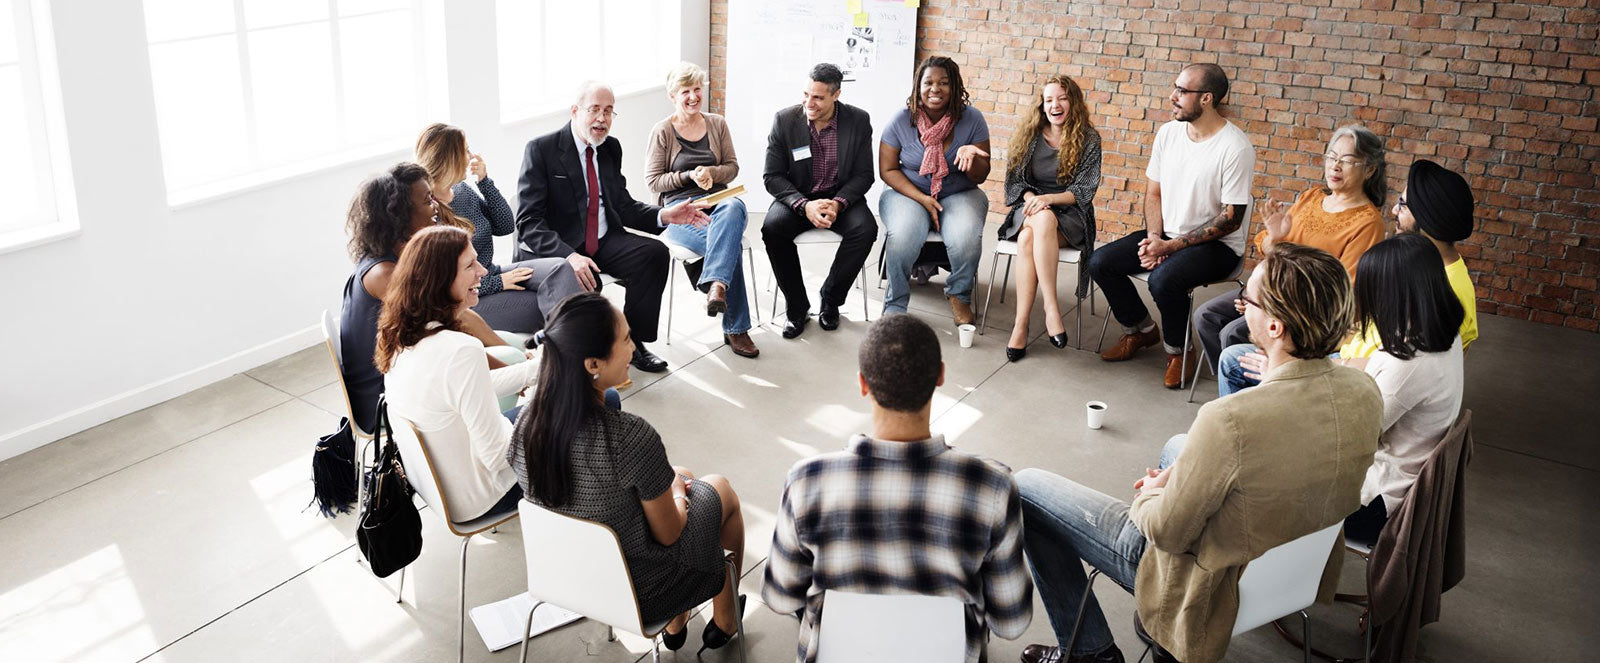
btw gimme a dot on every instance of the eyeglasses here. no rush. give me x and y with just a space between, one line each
597 111
1246 299
1345 162
1401 203
1183 90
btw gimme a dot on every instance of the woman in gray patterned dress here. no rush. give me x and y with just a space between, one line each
576 457
1050 187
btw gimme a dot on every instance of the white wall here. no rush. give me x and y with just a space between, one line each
146 302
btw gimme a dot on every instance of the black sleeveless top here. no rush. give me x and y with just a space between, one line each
358 342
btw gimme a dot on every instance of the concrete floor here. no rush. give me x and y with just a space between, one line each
179 533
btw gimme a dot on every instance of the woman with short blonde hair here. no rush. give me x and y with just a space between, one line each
691 156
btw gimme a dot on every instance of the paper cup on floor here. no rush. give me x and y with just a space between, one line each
1097 414
966 332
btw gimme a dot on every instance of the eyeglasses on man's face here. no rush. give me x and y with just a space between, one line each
600 111
1181 90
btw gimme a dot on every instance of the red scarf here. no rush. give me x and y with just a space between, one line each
934 134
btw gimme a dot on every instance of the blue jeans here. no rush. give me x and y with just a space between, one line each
1064 522
1230 375
722 244
906 225
1170 450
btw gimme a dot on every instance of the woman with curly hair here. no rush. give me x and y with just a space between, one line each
1051 180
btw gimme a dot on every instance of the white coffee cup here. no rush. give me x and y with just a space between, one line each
966 332
1096 415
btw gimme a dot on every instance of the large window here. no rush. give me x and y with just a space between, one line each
548 47
32 146
255 90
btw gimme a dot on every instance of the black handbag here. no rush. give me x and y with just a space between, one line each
390 531
333 472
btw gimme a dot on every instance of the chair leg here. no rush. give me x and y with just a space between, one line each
526 629
400 591
1005 280
738 626
672 277
1082 603
1183 359
611 634
983 319
1100 342
461 631
865 314
755 293
1305 629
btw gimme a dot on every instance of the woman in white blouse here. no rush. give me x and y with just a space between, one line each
1402 293
436 376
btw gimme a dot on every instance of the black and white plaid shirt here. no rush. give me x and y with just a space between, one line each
901 518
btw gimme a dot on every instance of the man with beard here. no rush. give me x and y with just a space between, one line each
1196 205
573 203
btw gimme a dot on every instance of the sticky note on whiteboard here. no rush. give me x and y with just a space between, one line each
861 20
853 6
913 3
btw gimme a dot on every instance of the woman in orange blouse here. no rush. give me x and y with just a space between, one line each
1343 218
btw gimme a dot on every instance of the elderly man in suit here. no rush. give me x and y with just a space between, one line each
819 167
573 203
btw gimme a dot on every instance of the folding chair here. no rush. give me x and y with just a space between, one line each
681 254
1008 248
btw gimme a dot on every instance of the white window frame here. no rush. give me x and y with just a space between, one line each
429 80
558 101
41 81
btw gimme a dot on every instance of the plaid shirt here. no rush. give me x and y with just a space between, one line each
901 518
824 160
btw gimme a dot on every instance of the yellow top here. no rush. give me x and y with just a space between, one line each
1364 344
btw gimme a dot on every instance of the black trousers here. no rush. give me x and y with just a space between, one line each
857 227
641 264
1170 282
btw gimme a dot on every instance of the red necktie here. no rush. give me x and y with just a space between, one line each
591 233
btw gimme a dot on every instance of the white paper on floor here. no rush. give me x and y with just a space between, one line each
500 623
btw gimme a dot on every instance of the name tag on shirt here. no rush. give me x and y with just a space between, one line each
802 153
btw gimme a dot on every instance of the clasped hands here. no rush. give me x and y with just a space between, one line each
1153 250
1153 479
822 213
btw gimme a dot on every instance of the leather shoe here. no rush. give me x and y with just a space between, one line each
793 328
961 310
828 319
717 299
1130 344
1048 654
1177 369
741 344
647 361
1058 340
1015 354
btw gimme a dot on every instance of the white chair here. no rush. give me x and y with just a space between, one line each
1008 248
681 254
821 236
578 565
1187 324
878 628
1281 582
330 336
420 474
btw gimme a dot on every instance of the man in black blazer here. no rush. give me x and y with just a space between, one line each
819 167
562 213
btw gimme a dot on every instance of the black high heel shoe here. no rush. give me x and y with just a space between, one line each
714 637
1015 354
1059 340
675 641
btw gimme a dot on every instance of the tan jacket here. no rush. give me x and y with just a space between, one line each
664 148
1261 467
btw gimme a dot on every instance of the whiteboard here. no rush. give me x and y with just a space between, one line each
771 49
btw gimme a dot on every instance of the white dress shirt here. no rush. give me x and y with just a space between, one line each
583 144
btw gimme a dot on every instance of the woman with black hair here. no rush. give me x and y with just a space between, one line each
576 457
932 157
1402 294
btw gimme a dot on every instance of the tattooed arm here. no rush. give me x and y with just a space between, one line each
1226 222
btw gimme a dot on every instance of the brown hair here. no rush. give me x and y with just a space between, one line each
1308 290
442 149
1075 134
419 292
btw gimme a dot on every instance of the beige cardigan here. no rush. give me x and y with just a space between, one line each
1261 468
664 148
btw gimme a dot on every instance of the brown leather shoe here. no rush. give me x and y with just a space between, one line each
717 299
961 310
742 345
1176 370
1130 344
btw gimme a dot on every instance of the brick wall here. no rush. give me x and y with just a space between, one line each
1503 92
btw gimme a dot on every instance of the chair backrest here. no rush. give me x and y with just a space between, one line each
330 334
891 627
577 564
419 466
1284 580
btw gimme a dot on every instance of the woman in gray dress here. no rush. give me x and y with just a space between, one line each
1051 180
575 456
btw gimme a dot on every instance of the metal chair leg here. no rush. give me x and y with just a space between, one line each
461 631
1082 603
1099 343
755 292
1305 629
611 634
672 277
865 314
1183 359
527 628
738 626
400 591
983 319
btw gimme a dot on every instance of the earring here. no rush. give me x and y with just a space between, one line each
594 376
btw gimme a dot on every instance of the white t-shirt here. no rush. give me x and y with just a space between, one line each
1421 399
1199 179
